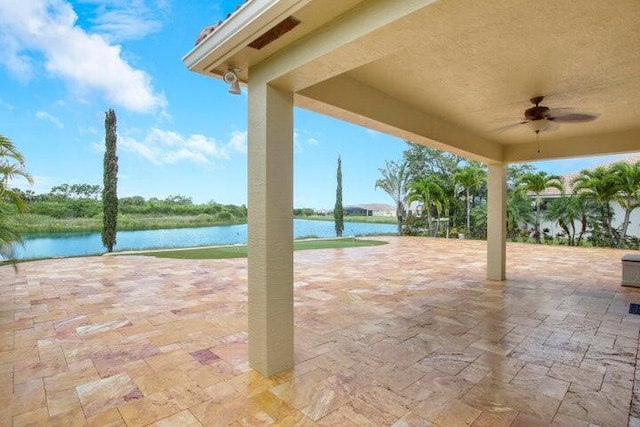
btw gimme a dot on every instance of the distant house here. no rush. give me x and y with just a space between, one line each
381 209
553 193
355 211
371 209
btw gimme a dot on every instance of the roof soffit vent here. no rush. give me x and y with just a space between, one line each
275 33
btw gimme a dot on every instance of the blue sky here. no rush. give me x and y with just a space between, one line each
64 63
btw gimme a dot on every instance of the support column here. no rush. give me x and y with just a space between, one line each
497 222
270 243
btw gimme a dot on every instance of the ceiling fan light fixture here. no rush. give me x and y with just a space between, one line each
539 125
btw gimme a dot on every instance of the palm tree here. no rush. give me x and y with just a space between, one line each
470 178
11 166
395 181
441 204
518 213
566 211
537 183
600 186
427 191
628 180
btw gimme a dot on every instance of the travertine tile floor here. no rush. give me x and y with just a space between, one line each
406 334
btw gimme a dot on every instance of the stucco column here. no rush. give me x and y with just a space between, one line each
270 187
497 222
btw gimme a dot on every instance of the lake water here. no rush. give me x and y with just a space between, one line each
75 244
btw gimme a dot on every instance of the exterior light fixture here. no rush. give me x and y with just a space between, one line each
230 77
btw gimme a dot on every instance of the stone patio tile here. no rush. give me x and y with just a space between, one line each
590 378
449 360
396 378
412 420
183 419
503 417
236 408
39 416
535 378
109 418
596 407
28 396
310 394
100 395
133 341
62 401
491 394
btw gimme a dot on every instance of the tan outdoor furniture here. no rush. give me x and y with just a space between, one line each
631 270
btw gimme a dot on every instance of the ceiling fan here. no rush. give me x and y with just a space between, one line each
540 118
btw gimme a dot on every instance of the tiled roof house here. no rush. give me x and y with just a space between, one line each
568 178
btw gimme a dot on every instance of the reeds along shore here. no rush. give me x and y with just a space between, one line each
30 223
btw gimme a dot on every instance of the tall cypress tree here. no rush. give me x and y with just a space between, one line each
338 211
110 177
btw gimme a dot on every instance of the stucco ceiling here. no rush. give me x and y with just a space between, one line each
477 66
449 73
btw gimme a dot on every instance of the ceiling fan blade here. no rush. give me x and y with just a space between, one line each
561 111
509 127
575 118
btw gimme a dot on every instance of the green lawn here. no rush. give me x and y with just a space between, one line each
240 251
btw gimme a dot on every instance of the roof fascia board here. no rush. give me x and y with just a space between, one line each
240 29
364 19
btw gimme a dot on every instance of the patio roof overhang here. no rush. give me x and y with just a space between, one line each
449 73
444 73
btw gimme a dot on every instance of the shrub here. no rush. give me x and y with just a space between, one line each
224 216
414 226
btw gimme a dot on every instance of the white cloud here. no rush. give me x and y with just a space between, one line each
238 141
186 154
44 33
304 137
199 143
43 115
167 147
147 152
121 20
21 66
119 25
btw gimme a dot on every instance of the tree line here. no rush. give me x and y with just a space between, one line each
74 201
450 194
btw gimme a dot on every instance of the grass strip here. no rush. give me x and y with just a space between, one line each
240 251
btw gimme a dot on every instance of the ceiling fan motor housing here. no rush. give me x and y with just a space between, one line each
537 113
